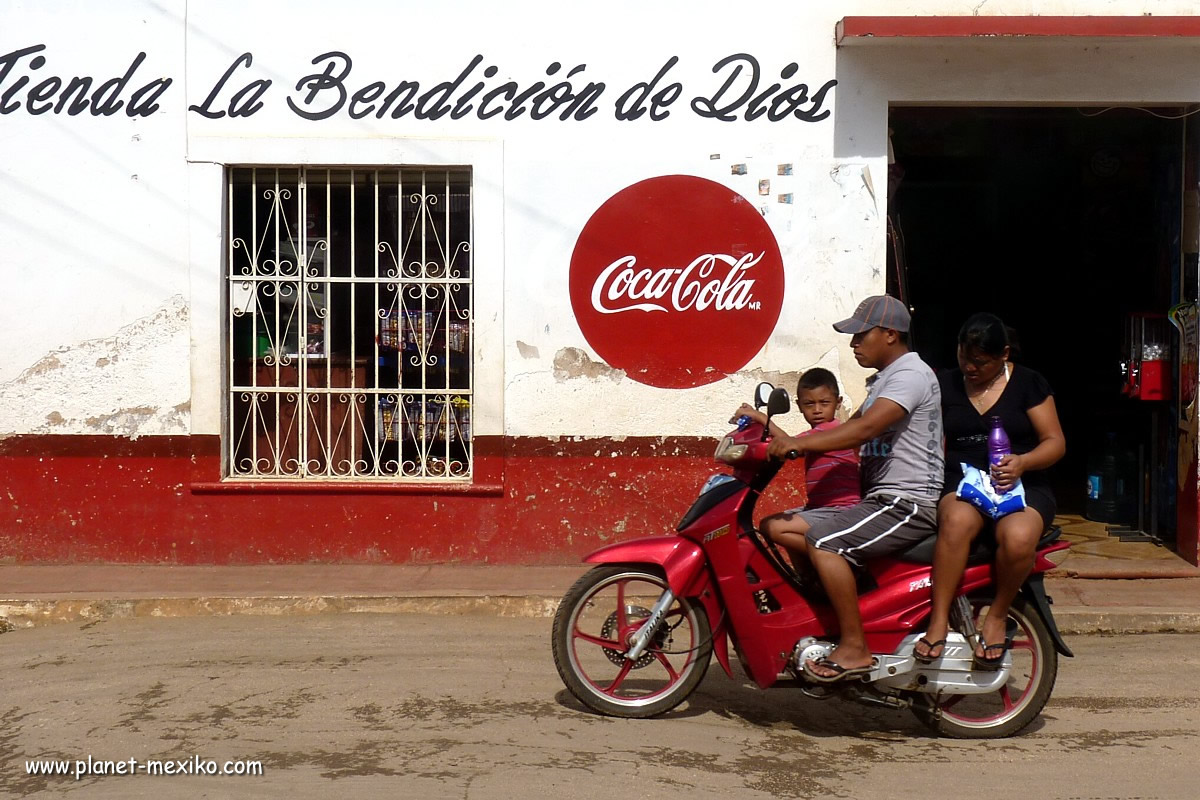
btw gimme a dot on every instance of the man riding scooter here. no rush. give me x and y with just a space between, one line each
898 429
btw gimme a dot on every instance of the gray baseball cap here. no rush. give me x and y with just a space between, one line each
878 311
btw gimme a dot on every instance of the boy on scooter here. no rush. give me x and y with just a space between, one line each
831 479
898 430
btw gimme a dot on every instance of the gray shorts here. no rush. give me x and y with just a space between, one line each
879 525
814 516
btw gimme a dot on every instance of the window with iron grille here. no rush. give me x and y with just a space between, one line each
349 325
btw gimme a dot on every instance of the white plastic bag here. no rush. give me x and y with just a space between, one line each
976 488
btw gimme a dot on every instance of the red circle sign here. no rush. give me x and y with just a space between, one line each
676 280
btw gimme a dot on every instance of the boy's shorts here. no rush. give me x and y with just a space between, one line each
879 525
814 516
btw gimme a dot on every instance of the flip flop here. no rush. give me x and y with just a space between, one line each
991 663
994 663
841 673
929 657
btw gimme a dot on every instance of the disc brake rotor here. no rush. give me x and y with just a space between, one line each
633 613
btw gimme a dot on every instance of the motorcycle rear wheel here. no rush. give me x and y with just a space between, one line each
596 623
1018 702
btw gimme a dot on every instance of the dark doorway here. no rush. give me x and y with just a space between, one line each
1062 221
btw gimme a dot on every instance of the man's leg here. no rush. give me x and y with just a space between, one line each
875 527
837 577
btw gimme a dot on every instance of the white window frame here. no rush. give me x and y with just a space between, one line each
207 262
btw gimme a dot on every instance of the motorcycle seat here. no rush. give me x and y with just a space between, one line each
983 549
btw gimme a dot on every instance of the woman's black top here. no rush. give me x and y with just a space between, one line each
967 429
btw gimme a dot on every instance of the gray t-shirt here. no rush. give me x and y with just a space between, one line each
908 459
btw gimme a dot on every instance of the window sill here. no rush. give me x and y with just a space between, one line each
348 487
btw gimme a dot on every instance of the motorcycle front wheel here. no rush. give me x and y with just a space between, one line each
595 626
1014 705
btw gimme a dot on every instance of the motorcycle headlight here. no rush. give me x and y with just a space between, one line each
728 452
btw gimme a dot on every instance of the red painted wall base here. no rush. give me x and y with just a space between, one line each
71 499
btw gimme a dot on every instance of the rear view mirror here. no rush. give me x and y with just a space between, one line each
763 394
778 402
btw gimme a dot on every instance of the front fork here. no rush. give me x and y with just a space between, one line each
646 633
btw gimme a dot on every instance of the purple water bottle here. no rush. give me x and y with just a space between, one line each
998 444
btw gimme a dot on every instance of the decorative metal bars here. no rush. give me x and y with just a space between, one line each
349 324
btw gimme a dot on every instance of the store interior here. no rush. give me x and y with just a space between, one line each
350 304
1068 223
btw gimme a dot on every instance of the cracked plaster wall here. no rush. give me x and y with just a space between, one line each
133 383
89 254
556 384
832 238
94 230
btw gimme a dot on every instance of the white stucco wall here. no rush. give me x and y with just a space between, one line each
110 226
93 231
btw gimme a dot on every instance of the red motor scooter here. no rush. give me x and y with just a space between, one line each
634 636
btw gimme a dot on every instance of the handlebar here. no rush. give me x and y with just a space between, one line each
790 455
744 422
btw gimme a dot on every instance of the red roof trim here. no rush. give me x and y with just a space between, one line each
851 30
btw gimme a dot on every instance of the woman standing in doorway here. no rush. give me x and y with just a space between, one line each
987 385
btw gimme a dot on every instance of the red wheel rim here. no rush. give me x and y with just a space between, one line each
1026 661
593 653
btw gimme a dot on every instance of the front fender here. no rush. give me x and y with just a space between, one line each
682 561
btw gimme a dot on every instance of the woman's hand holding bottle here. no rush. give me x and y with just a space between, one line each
1007 471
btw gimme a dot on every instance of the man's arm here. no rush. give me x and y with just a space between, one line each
863 427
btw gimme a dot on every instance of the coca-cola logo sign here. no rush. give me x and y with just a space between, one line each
676 280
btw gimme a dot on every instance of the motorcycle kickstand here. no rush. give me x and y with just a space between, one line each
869 696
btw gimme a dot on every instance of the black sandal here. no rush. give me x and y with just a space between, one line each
840 673
929 657
992 663
995 662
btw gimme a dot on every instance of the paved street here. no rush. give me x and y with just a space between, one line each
391 705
